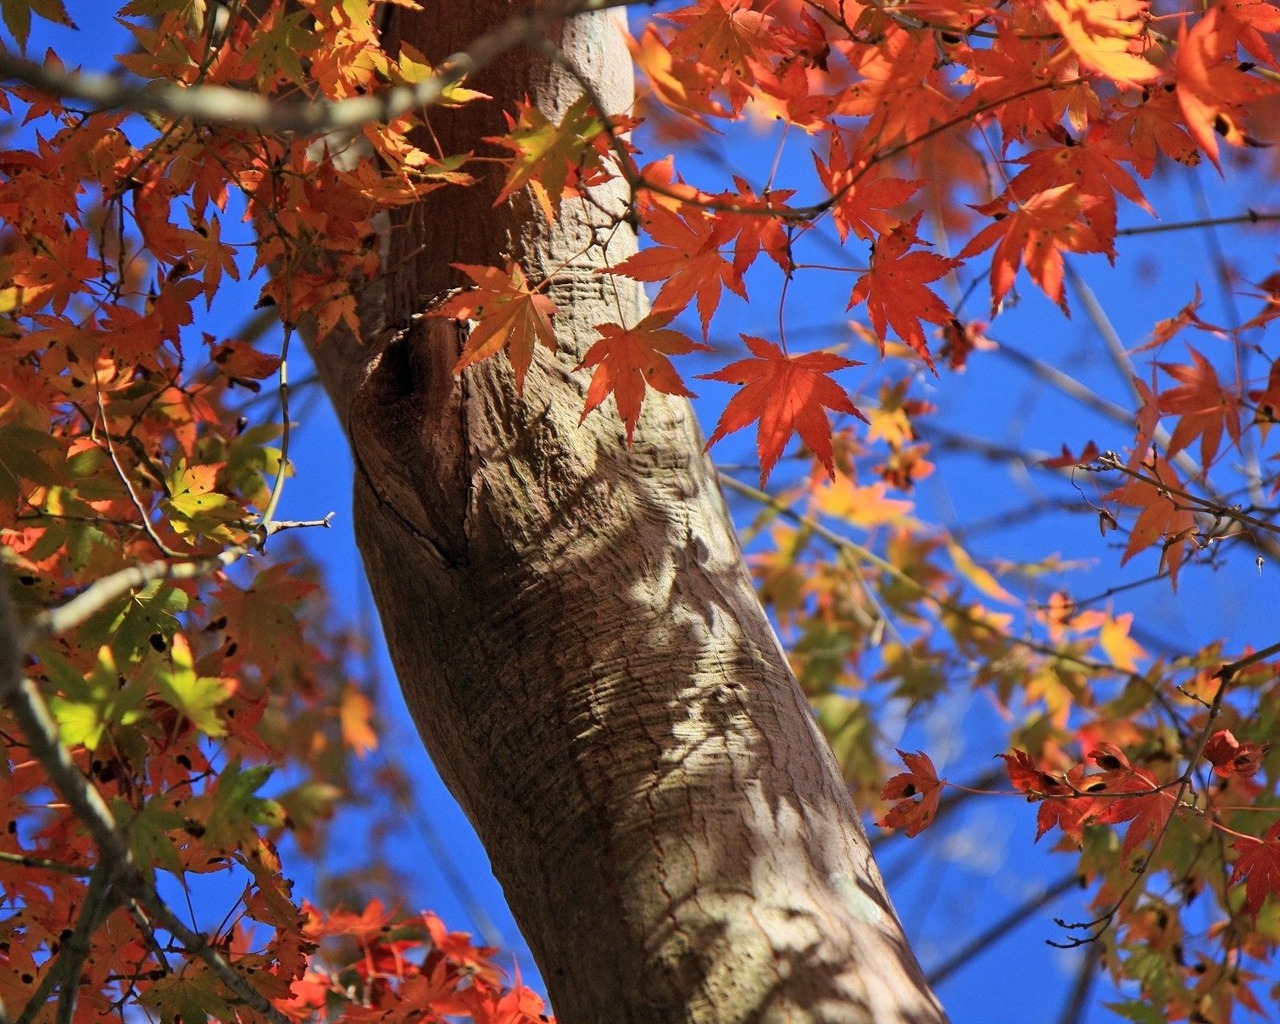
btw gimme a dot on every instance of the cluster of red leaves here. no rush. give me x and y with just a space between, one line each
1072 679
122 445
1089 93
403 967
127 441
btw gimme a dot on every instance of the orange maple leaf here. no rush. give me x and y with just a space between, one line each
920 781
787 394
1211 86
508 314
682 85
754 231
894 288
1093 165
866 199
729 36
1250 20
687 260
555 159
1160 519
1036 232
1206 408
626 359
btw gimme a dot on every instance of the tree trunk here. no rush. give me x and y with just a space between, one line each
578 638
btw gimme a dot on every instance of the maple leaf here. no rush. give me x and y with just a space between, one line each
755 230
1147 811
1160 517
866 200
1041 85
1258 863
626 359
17 16
726 35
1035 232
507 314
554 159
894 288
683 85
1093 166
910 814
787 394
1206 408
1063 805
355 716
899 88
1102 35
1210 84
1151 127
688 262
1267 401
1249 20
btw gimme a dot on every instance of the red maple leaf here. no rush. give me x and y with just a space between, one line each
687 260
508 315
920 781
1258 863
787 394
894 288
1062 805
1204 405
866 199
626 359
1036 232
1160 519
756 230
1147 810
1211 85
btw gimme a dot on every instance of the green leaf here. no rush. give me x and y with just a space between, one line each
1142 1013
149 838
88 707
28 456
135 627
190 997
237 811
197 697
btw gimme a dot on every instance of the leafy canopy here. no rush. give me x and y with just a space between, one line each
142 463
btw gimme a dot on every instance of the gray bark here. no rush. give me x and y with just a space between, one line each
578 638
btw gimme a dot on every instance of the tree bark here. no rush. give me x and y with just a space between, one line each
576 633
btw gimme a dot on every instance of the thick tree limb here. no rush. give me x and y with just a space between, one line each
578 638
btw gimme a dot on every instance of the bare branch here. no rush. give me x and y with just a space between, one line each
217 104
102 592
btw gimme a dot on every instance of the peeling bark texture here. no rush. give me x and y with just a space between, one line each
578 638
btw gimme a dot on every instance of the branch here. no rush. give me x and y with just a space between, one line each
1248 217
86 803
100 593
997 930
217 104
